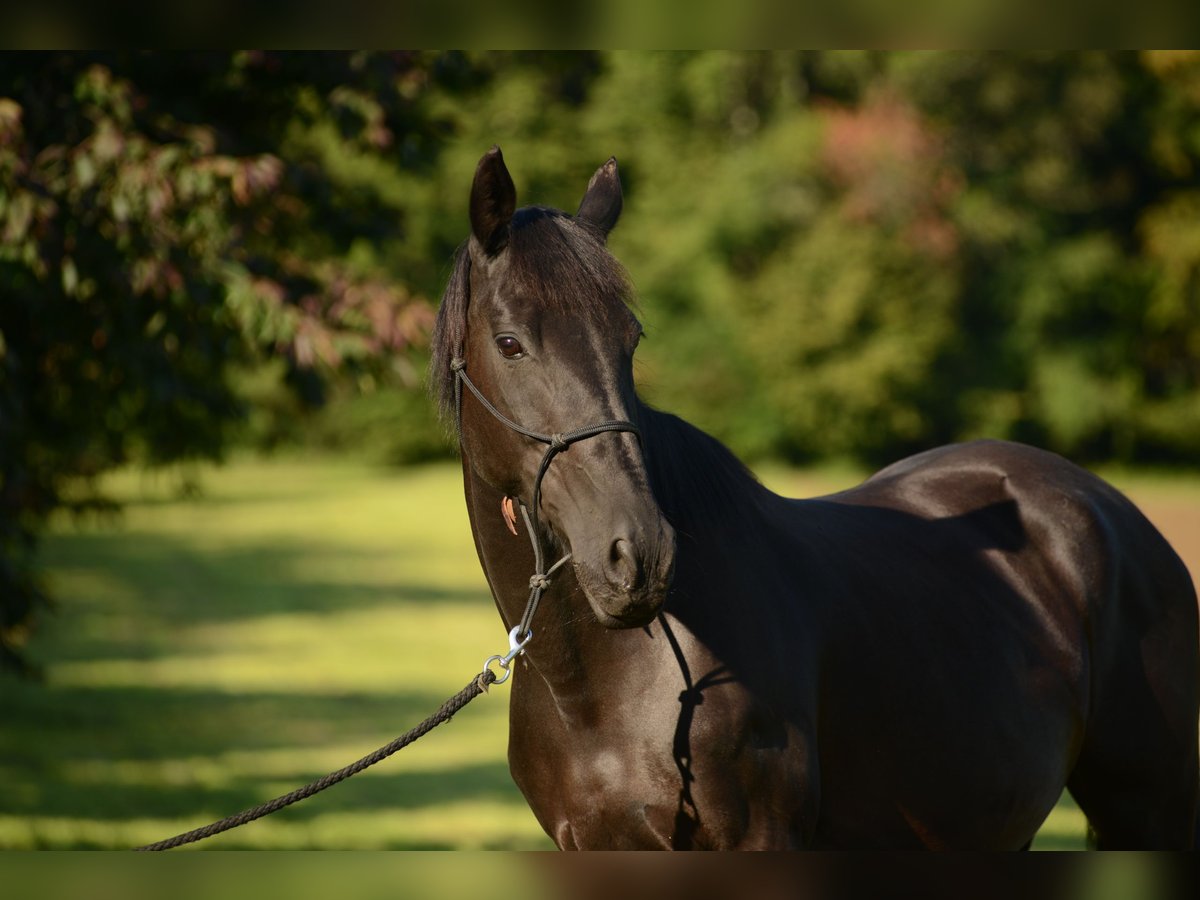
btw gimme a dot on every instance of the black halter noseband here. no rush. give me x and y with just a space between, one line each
556 443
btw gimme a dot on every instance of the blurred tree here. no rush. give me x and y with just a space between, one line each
1073 164
167 220
865 253
1168 351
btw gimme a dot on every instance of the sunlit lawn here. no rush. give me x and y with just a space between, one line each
211 653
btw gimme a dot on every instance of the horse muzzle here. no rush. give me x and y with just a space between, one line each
626 578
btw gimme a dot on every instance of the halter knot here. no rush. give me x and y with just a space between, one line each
457 364
558 442
538 582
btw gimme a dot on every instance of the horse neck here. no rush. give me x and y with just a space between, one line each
711 499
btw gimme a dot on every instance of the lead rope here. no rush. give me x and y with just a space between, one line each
478 685
518 637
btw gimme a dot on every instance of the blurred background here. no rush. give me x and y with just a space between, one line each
233 550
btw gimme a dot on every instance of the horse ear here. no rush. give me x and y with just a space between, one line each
493 201
601 204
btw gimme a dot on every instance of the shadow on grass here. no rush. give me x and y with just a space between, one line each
60 747
169 575
91 755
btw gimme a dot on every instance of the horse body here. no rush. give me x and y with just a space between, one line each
925 660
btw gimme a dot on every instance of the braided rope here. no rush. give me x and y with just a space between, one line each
538 583
478 685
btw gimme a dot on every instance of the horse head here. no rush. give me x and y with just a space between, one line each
536 313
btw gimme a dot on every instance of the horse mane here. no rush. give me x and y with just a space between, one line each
449 331
551 258
691 472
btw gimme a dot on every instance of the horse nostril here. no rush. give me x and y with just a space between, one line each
625 565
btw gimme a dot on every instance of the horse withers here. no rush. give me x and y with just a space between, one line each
925 660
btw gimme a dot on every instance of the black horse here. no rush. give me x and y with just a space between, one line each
922 661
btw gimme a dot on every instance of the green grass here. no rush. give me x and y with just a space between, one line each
211 653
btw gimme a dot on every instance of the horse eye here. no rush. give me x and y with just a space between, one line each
509 347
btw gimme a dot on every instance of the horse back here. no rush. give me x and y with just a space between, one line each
1076 537
1123 570
1008 591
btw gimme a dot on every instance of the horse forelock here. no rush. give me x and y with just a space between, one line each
560 261
552 259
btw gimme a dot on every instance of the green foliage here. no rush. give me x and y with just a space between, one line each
387 425
864 253
167 219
